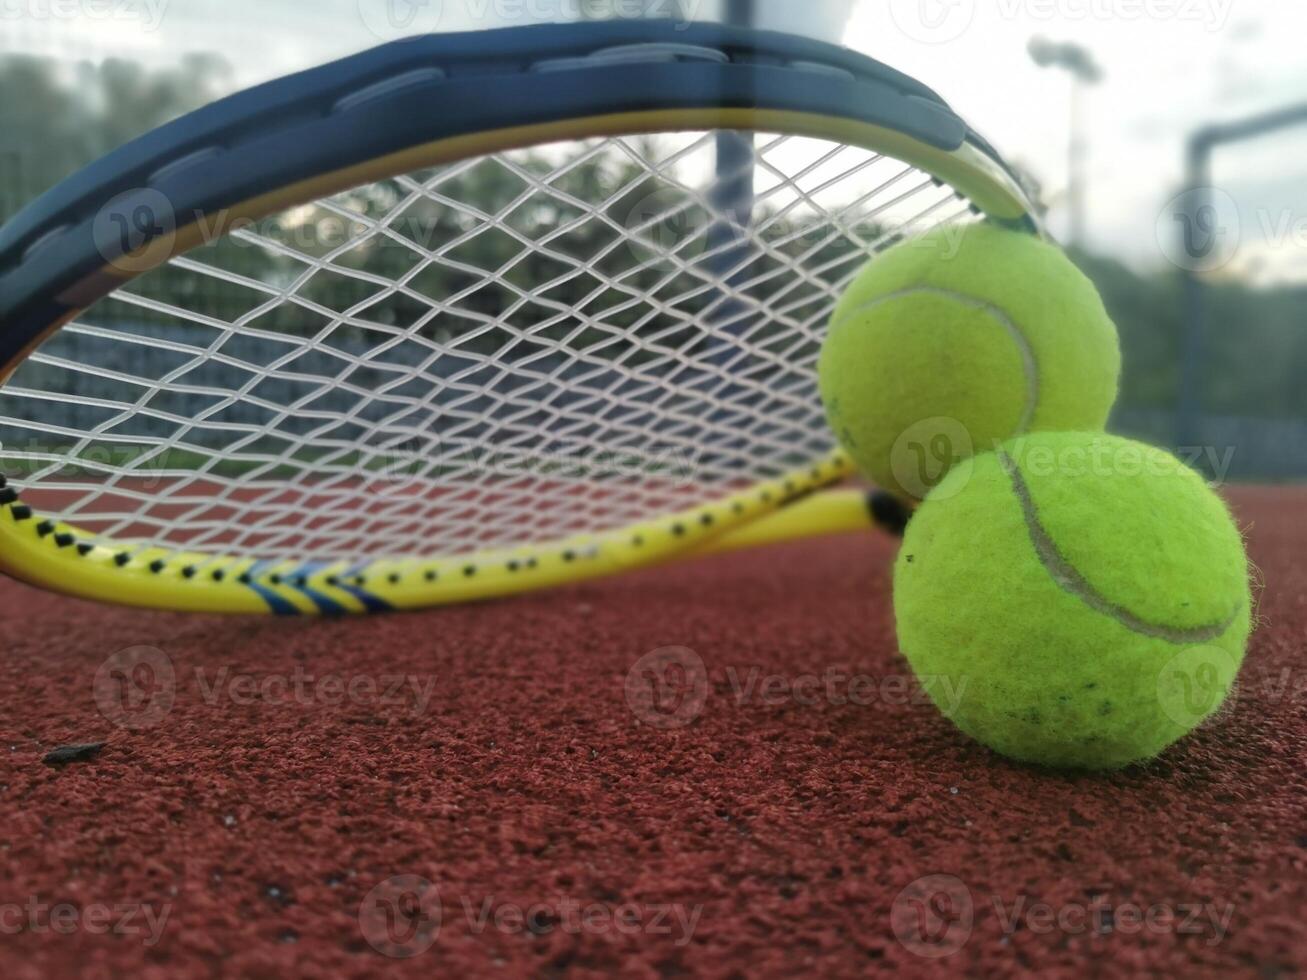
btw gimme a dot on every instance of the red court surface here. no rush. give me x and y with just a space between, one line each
245 813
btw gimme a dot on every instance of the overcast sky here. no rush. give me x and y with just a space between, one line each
1169 66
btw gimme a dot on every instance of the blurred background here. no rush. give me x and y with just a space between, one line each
1164 139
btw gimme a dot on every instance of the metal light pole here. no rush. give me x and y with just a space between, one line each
733 188
1198 226
1084 71
732 199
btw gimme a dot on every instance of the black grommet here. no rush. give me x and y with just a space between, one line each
158 565
121 559
21 512
63 539
45 527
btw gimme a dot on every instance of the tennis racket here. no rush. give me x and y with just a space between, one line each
460 317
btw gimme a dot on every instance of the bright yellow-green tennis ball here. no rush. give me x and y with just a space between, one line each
1073 599
952 342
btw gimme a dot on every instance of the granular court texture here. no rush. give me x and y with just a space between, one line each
714 769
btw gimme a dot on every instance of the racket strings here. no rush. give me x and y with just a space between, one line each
503 350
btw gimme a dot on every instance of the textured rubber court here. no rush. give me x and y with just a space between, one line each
568 826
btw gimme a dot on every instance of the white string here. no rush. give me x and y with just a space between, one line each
505 349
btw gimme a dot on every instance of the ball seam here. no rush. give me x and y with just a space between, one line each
1029 365
1069 579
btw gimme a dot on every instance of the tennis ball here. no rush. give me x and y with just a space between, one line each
953 342
1074 599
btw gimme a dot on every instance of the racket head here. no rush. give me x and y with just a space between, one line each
418 326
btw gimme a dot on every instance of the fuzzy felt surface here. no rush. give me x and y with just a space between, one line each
927 321
1074 599
808 829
